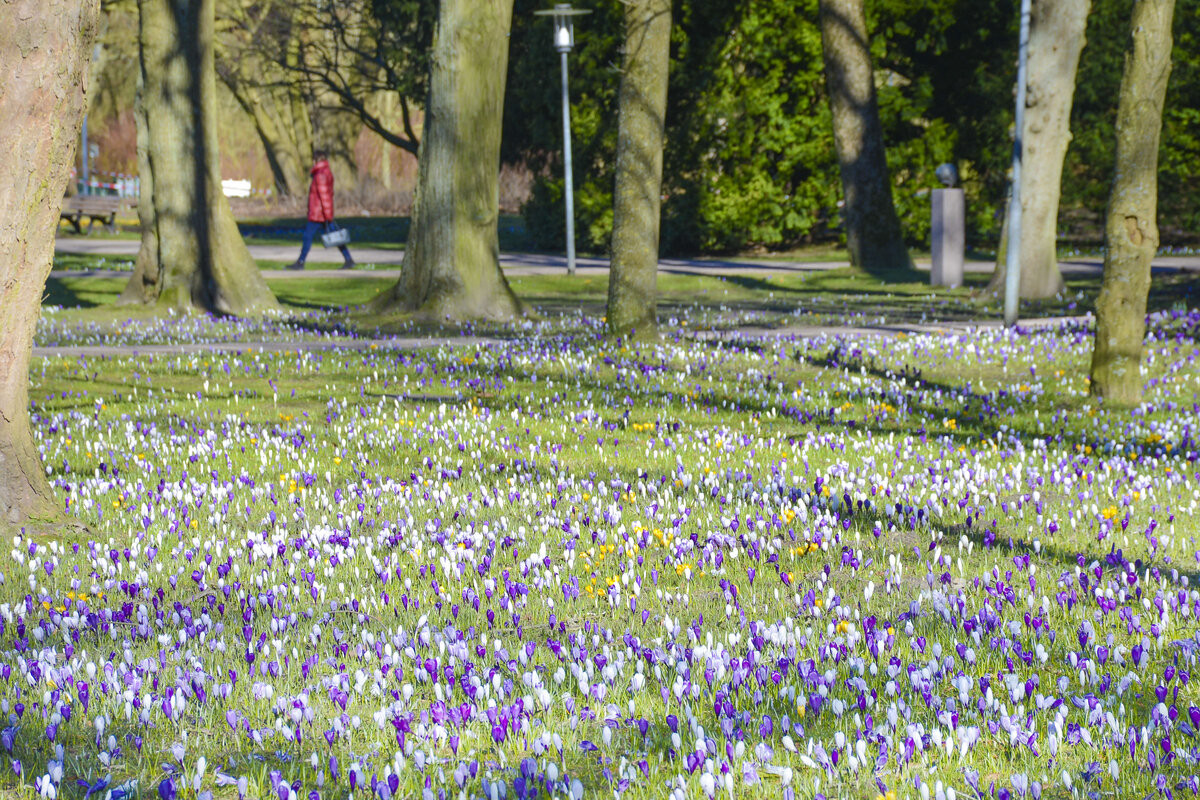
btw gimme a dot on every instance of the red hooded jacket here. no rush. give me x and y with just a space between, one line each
320 193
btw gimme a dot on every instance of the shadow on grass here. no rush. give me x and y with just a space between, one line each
59 292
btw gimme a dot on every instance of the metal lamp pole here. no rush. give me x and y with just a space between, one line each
568 180
86 144
85 167
1012 274
564 40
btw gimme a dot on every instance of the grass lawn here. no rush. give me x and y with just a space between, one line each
559 302
781 566
824 297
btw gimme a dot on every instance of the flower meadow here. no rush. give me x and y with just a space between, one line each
555 565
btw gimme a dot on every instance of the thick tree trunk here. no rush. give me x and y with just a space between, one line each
1056 38
192 254
145 278
287 143
296 115
452 262
335 129
873 234
258 59
1131 229
387 111
337 132
44 47
633 279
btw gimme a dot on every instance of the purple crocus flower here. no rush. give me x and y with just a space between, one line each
96 788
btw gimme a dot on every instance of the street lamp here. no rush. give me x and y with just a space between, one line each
86 151
1012 264
564 40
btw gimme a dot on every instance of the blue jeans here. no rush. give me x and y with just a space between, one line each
311 229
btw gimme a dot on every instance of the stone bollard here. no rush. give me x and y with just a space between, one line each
948 236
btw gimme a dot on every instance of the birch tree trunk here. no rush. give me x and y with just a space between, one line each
44 47
452 261
1057 31
633 278
192 255
873 234
1131 228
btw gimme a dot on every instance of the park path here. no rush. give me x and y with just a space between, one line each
340 344
386 263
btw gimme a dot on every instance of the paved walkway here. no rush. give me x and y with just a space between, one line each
386 263
425 342
315 345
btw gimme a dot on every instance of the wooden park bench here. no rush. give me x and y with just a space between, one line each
97 208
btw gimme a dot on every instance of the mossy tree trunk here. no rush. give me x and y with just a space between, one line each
1131 227
44 47
873 234
192 254
633 278
1056 37
452 261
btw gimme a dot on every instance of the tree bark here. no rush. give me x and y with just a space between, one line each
632 286
873 234
44 47
1131 228
452 261
1056 37
192 254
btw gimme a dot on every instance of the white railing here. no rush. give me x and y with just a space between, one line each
236 188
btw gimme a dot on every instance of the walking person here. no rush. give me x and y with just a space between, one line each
320 210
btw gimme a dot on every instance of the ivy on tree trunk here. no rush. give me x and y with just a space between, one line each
1131 228
192 254
44 47
632 286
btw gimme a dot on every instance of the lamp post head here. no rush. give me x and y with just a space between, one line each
564 24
